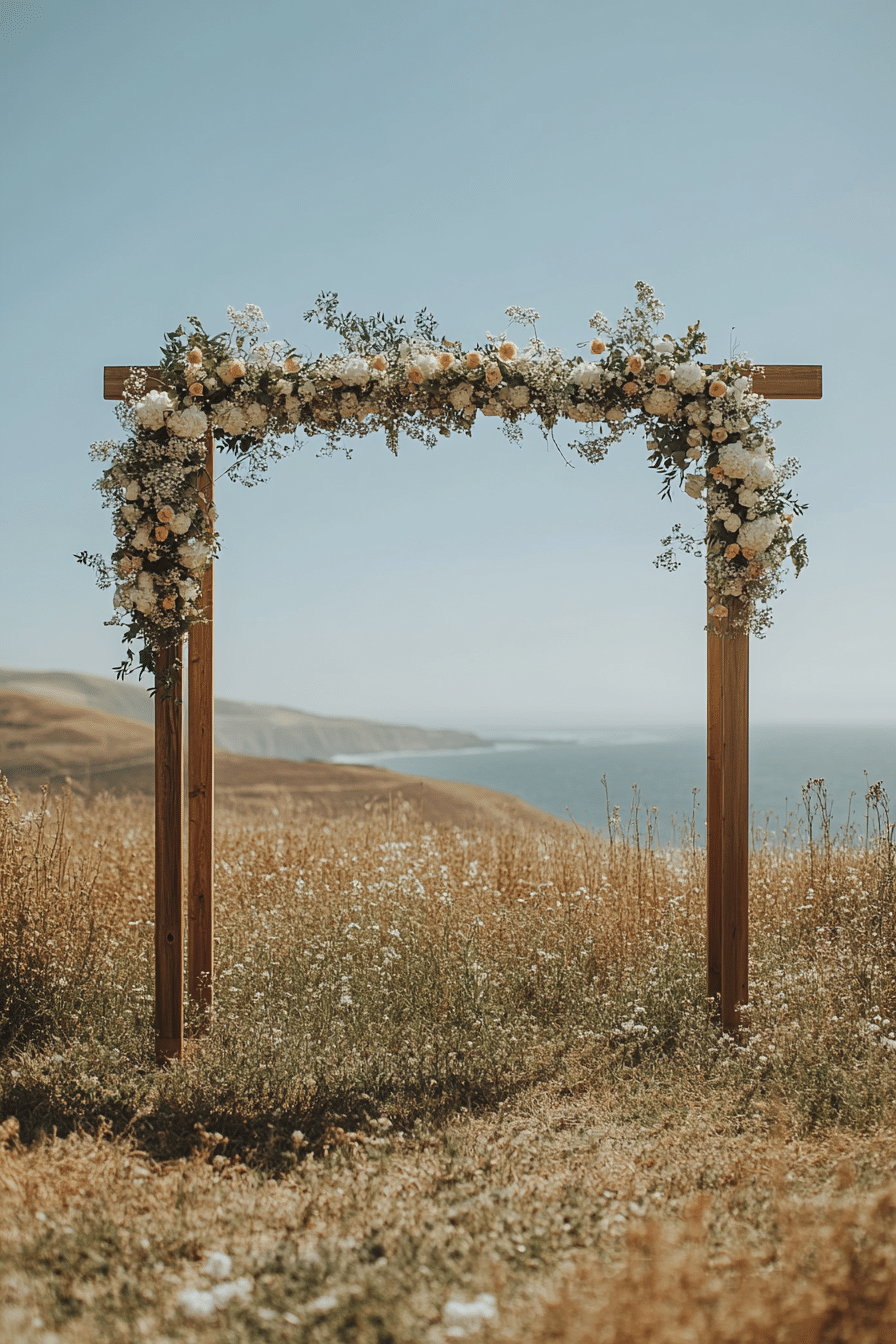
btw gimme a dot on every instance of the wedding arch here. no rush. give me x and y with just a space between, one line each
709 430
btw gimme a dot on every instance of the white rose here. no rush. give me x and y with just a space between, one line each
694 486
133 490
140 539
180 523
748 498
284 387
255 414
292 408
664 346
189 590
660 401
615 413
732 522
144 593
130 513
230 418
190 423
307 390
460 396
194 553
152 409
689 377
759 534
428 365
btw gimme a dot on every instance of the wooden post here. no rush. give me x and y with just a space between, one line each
201 785
728 819
169 871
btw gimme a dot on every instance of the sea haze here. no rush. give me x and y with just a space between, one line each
561 772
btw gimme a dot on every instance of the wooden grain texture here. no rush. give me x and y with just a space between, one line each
735 857
201 786
714 827
778 382
116 375
169 936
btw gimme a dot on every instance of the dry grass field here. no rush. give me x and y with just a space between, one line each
460 1084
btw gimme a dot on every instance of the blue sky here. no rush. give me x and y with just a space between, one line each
171 160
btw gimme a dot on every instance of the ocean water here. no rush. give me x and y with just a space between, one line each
662 768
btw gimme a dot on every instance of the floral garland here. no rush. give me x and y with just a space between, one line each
707 431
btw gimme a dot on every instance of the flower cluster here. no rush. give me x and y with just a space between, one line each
706 430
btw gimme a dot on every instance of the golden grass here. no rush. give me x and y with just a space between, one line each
447 1063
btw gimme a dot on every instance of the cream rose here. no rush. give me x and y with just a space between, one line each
190 423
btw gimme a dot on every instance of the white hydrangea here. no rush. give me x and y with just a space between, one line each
130 513
144 593
194 553
427 364
180 523
460 396
660 401
230 418
152 409
516 397
664 346
587 375
759 534
189 590
354 371
689 377
190 423
256 414
760 474
748 498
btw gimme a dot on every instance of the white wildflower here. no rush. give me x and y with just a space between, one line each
354 371
587 375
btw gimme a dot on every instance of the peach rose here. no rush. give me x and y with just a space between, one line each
196 390
415 375
194 356
169 602
507 350
788 517
237 369
748 553
719 435
718 612
597 347
717 472
379 363
732 550
446 359
662 376
635 363
291 364
718 388
630 389
493 375
161 534
165 514
474 359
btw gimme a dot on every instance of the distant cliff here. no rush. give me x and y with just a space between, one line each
247 729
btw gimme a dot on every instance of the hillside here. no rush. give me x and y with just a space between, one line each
248 729
51 741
